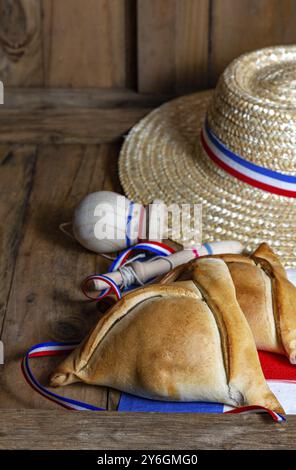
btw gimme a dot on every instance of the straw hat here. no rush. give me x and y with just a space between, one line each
232 150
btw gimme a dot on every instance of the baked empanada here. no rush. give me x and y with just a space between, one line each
186 341
264 294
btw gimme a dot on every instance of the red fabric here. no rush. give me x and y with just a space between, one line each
275 366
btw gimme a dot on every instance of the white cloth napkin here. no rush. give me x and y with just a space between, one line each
291 273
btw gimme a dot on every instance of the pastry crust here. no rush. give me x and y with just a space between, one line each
254 295
184 341
265 295
242 359
284 299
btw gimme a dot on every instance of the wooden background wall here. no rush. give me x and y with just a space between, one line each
154 46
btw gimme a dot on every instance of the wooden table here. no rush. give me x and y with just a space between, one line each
54 149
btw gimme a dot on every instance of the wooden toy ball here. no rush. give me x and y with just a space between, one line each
105 222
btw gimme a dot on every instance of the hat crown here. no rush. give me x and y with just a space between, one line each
276 84
253 111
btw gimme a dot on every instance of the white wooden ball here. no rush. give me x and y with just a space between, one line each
100 222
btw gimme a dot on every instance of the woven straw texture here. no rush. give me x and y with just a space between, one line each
253 112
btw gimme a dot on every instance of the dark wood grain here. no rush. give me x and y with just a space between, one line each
95 98
185 45
245 25
167 46
172 45
67 125
37 429
38 116
45 301
67 43
16 177
21 56
87 43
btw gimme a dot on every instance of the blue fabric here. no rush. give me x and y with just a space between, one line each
133 403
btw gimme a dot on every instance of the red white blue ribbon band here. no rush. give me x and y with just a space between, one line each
157 248
244 170
128 224
113 287
56 349
52 349
277 417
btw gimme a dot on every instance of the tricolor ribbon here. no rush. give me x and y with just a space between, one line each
128 224
56 349
277 417
129 221
156 248
244 170
52 349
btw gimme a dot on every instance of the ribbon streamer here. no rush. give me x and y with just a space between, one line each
57 349
52 349
157 248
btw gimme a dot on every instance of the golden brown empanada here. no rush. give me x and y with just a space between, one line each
264 294
186 341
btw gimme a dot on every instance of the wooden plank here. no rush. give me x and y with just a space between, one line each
16 176
238 27
21 43
67 125
65 116
172 45
45 300
113 399
44 98
191 39
156 70
87 43
39 429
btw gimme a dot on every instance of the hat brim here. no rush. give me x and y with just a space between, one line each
162 159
